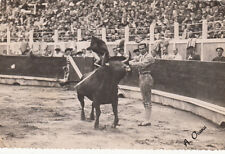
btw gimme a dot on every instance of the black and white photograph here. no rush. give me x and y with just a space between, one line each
112 74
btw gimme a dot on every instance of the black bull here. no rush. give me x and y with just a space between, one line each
102 88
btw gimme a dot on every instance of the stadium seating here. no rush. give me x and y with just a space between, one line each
66 16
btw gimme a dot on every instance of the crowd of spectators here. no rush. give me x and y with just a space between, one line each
66 16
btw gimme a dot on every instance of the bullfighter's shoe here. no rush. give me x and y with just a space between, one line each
144 124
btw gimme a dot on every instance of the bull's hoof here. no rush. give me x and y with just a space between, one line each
96 126
114 126
100 127
89 120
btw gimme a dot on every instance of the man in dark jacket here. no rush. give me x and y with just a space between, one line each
220 56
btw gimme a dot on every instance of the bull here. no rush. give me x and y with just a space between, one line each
102 88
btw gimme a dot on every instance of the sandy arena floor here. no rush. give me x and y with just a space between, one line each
39 117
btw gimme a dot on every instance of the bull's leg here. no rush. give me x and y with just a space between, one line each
81 99
92 116
98 113
115 111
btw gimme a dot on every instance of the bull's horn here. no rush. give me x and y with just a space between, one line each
128 58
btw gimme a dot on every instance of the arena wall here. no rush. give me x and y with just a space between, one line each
200 80
42 67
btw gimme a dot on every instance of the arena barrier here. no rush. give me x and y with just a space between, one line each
198 87
41 71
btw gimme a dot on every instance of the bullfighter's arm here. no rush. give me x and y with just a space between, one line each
148 60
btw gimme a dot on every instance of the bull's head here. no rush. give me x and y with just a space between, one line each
120 65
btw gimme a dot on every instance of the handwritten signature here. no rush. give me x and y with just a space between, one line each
194 135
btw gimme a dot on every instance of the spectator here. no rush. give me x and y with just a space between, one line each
58 52
157 50
48 53
165 55
68 52
67 16
176 55
24 48
220 56
191 54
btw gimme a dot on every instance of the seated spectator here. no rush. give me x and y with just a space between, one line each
191 54
176 55
48 53
165 55
115 15
217 30
68 52
58 52
220 56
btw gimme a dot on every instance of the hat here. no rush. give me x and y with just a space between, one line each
69 48
57 47
220 49
79 52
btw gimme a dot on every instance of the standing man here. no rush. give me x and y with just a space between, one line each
145 80
191 54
